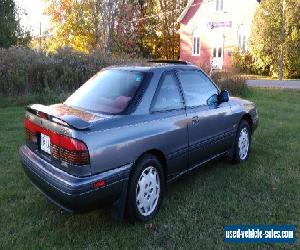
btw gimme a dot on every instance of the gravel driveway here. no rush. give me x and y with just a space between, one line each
289 84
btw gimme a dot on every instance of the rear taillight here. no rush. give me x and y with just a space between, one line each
30 131
63 148
69 150
30 136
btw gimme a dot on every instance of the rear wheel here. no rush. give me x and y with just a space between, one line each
146 188
242 143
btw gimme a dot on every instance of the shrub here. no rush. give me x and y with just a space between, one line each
27 75
235 84
28 72
244 62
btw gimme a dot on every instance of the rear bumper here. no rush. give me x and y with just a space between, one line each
70 192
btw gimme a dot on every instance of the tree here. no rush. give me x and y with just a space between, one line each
275 37
157 27
83 25
8 23
11 32
146 28
73 24
128 32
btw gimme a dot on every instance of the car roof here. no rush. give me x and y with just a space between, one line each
153 66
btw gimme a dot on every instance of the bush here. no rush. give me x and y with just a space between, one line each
30 76
26 72
235 84
243 62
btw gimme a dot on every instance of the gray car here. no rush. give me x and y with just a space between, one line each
130 130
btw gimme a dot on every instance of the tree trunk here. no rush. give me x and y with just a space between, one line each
282 40
111 25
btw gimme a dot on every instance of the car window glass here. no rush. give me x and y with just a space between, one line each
197 88
168 97
109 91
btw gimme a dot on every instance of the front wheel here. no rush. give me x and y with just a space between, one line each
242 143
145 189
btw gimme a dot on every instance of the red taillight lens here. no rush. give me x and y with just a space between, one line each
63 148
68 143
30 136
69 150
30 131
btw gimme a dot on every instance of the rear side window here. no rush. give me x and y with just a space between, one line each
168 96
109 91
197 88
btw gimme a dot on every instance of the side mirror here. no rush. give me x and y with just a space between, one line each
224 96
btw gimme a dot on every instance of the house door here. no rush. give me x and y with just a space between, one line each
217 57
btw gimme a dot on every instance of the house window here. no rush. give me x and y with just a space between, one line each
242 42
219 5
196 42
217 52
242 38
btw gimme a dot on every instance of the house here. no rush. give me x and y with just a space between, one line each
211 29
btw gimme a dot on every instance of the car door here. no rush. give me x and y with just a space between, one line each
168 106
210 124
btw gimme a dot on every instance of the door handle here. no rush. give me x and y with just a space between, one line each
195 120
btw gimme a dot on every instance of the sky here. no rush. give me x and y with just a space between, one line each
34 10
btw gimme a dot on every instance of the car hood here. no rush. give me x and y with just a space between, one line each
248 105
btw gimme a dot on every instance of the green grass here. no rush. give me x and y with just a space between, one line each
264 190
48 97
263 77
258 77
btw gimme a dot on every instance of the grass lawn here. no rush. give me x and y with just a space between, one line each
264 190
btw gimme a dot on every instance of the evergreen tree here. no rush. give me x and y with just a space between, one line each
8 23
11 33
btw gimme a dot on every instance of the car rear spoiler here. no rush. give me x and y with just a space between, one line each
66 120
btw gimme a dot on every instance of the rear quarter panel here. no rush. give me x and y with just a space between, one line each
126 138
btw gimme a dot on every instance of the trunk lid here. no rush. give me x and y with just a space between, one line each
51 132
65 115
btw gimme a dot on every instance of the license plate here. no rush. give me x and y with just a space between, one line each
45 144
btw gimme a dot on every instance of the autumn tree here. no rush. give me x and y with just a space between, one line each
158 27
83 25
168 42
127 35
145 28
275 37
146 25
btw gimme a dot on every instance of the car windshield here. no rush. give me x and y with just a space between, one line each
109 91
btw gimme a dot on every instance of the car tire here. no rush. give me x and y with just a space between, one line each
242 143
145 190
